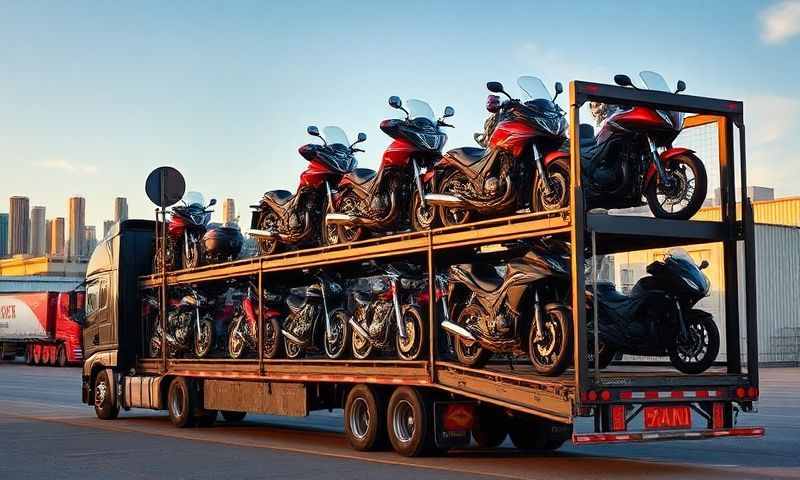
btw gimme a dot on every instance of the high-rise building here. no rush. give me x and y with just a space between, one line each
48 236
77 219
38 234
3 235
90 239
120 209
19 226
56 247
228 211
107 224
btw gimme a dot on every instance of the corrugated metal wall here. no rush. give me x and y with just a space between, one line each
783 211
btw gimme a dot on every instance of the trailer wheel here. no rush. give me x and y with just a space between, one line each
232 417
37 354
364 418
105 402
490 428
538 434
409 422
29 355
61 356
180 403
207 419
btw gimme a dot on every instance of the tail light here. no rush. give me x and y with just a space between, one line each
718 416
752 392
618 418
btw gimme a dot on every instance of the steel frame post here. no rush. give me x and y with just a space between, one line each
260 326
748 230
433 324
577 225
730 272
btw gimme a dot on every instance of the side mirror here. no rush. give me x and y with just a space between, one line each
681 86
495 87
395 102
362 137
559 90
703 265
623 80
212 202
313 131
448 111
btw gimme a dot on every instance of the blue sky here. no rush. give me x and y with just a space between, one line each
95 95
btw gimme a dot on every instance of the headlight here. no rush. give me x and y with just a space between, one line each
692 285
430 141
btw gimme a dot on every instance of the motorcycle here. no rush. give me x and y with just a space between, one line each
243 330
378 201
286 219
314 316
190 326
632 157
387 315
222 243
187 225
518 167
657 317
524 311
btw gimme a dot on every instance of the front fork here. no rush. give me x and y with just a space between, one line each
328 328
538 313
537 159
418 180
662 174
401 326
330 196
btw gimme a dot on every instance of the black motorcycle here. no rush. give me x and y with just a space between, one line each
387 315
524 311
190 326
315 317
657 318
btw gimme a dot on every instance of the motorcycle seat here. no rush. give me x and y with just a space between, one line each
361 176
279 196
296 302
467 156
484 277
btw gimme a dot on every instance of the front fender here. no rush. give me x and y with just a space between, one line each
555 155
666 157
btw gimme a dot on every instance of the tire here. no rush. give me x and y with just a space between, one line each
266 220
470 353
422 218
29 355
454 216
414 345
236 342
204 341
558 174
61 356
365 418
490 428
347 234
552 355
677 168
338 342
233 417
360 346
105 402
531 433
207 419
190 259
272 338
293 350
703 348
181 402
409 422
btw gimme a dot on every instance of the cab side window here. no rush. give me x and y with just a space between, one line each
96 297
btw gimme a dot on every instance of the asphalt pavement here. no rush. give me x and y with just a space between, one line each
46 432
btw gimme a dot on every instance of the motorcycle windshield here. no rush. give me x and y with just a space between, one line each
534 87
335 135
419 109
654 81
194 199
688 270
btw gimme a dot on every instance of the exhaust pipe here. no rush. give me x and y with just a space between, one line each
292 337
264 233
442 200
340 219
358 328
457 330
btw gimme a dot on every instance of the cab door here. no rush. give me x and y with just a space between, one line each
98 332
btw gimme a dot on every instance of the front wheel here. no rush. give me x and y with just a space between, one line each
411 347
105 402
272 338
453 184
551 350
695 353
293 350
422 217
336 341
557 196
686 194
204 338
236 341
191 256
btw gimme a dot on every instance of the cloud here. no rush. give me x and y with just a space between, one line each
66 166
770 118
780 22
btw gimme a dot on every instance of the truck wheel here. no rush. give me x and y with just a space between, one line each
180 403
538 434
232 417
37 354
29 355
46 355
409 422
364 418
61 356
105 403
490 428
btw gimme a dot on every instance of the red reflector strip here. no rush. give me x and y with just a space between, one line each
592 438
718 416
618 418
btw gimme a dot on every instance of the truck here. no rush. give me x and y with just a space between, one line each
435 403
42 327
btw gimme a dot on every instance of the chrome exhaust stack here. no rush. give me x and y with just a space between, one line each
263 233
358 328
442 200
457 330
292 337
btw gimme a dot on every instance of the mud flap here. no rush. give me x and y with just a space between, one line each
452 423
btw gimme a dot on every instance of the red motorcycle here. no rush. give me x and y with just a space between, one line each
378 201
283 218
243 330
187 225
517 169
633 157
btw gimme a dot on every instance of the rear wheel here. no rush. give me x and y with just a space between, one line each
105 402
697 351
490 428
687 193
232 417
365 418
204 339
470 352
410 422
268 221
348 233
411 347
181 402
558 196
453 185
551 353
338 339
271 336
293 350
